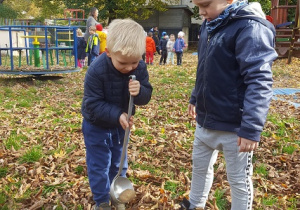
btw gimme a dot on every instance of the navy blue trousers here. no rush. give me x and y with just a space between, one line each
103 155
179 57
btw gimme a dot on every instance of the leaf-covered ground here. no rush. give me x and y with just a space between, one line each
42 154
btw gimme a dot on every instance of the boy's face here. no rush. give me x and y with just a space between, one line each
123 63
91 31
211 9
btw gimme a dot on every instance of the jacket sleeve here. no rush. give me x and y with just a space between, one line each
160 45
95 107
255 54
182 44
153 46
169 45
96 49
145 94
175 45
193 97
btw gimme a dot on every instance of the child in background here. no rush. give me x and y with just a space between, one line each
92 47
231 97
105 104
163 48
144 54
150 48
102 37
179 45
156 40
170 46
81 46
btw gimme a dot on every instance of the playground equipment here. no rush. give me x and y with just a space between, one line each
76 12
38 41
72 17
36 45
287 32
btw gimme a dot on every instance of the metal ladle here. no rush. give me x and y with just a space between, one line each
121 189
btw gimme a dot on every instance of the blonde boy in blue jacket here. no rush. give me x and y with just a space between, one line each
93 45
107 88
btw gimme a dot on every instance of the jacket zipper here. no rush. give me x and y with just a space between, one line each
204 77
208 41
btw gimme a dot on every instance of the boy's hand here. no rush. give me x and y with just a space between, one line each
134 87
247 145
123 121
192 111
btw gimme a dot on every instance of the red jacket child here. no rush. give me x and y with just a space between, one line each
150 48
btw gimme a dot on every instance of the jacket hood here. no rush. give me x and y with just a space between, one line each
253 8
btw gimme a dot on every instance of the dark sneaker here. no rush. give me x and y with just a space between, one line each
185 204
120 206
102 206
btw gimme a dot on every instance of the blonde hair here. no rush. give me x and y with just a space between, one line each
92 28
127 37
180 34
79 32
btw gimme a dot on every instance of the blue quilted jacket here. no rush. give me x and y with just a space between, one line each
106 94
233 85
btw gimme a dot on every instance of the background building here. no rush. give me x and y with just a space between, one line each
178 17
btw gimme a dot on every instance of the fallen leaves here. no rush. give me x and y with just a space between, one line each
159 151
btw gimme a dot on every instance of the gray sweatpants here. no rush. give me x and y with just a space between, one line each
206 146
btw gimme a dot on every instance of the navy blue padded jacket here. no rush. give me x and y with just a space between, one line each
233 86
106 94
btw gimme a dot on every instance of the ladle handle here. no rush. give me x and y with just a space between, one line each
127 130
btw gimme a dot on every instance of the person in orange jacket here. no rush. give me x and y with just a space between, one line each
150 48
102 36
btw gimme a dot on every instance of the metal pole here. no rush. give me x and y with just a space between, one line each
11 49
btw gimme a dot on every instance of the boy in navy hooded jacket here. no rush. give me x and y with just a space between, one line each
231 97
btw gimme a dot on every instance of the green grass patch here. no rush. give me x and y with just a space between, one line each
24 103
284 127
50 188
27 195
71 148
79 170
279 72
262 169
266 133
7 92
145 167
3 172
3 198
269 201
139 132
9 105
171 186
289 149
14 141
221 200
143 149
293 203
32 155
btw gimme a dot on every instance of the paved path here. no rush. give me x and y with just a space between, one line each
287 91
